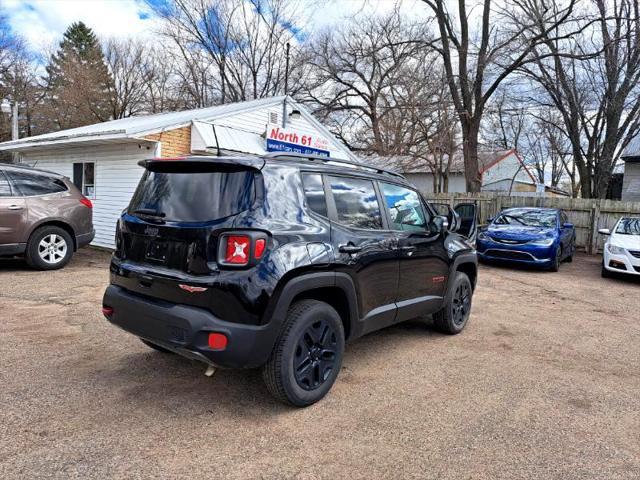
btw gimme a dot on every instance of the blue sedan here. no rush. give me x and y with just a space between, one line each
536 236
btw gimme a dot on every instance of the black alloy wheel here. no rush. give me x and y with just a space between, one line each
315 355
461 303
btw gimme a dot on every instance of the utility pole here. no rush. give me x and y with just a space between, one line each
286 86
11 108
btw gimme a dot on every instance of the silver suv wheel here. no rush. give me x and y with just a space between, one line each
52 249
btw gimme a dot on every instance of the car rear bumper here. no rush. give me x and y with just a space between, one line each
85 238
185 330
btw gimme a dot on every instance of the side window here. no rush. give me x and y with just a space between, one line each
29 184
314 192
5 188
356 202
405 208
84 177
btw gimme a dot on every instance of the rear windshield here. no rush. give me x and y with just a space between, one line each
193 196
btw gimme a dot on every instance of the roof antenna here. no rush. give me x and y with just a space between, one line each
213 127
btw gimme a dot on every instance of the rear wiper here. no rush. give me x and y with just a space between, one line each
151 215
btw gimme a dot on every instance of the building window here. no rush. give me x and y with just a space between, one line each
84 177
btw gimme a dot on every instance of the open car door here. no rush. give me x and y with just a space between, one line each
468 213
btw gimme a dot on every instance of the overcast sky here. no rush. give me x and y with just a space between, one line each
42 22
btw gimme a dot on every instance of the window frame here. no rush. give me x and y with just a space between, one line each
333 211
83 184
17 192
12 191
325 188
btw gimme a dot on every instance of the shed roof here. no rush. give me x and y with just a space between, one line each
137 126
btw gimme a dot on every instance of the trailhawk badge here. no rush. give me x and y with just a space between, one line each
192 289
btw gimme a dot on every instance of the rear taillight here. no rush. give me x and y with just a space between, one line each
238 248
107 311
241 249
86 202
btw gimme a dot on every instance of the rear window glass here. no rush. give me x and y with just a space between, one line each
356 202
314 193
29 184
194 196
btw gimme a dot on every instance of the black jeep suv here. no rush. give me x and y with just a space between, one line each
276 261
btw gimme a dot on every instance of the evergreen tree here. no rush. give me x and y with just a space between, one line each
78 81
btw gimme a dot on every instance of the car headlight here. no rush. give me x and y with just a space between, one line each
543 242
615 250
483 236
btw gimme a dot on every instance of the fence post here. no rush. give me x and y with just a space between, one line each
593 233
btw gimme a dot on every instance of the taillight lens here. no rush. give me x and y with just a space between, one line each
86 202
238 248
258 250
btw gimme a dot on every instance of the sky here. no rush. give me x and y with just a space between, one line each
42 22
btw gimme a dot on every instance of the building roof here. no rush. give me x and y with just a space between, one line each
408 164
138 126
632 152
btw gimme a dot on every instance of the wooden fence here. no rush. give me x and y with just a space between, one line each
588 215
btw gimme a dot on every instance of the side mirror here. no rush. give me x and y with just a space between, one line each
441 223
490 219
567 225
604 231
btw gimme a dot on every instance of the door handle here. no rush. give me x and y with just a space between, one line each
14 207
350 249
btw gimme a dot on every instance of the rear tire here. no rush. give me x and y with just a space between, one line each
454 316
307 355
154 346
49 248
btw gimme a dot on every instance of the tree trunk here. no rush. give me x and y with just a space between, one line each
470 130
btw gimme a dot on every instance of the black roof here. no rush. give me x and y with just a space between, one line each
326 164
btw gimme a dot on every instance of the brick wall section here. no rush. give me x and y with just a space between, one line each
174 143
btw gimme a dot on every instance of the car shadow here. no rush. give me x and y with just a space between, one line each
506 265
147 380
14 265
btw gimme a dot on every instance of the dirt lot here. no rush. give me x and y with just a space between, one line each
544 383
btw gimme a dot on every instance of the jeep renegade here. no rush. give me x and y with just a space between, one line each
277 261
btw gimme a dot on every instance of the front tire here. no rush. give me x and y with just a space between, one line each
49 248
605 273
555 266
307 356
455 314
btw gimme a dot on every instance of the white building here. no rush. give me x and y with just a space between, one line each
101 159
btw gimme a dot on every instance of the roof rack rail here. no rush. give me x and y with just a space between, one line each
323 158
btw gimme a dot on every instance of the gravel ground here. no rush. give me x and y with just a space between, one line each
543 383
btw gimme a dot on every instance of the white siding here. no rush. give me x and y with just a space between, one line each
505 169
424 182
117 175
631 182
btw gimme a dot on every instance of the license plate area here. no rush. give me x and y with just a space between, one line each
157 251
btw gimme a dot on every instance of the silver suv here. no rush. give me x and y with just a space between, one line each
43 216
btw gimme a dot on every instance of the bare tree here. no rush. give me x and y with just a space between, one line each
363 81
126 60
231 50
477 62
593 79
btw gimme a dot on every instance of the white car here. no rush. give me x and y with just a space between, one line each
622 249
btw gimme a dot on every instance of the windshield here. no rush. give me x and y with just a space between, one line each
629 226
192 196
528 218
